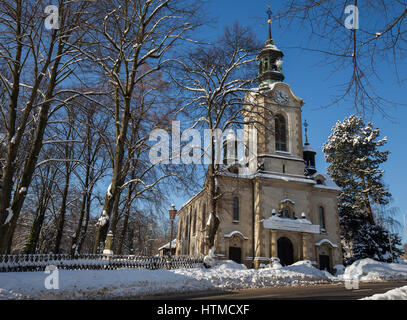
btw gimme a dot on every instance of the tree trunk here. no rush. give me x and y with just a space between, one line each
367 203
79 227
62 212
7 230
101 230
126 217
85 223
32 241
214 220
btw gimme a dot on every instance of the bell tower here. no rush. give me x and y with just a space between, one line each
270 60
279 135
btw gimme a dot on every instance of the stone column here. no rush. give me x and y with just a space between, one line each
108 250
267 243
273 243
305 246
259 231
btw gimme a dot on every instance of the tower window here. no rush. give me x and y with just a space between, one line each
203 216
322 217
281 133
235 209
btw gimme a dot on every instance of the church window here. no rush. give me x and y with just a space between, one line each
194 223
235 209
280 133
322 217
203 215
186 227
180 230
286 213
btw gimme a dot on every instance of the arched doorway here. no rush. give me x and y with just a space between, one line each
285 251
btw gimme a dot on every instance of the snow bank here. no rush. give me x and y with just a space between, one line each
395 294
225 275
86 284
372 270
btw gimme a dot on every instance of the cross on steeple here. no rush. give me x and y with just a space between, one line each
269 13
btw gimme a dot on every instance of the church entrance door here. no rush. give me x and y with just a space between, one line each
235 254
285 251
324 263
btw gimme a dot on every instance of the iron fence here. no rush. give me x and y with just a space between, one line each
38 262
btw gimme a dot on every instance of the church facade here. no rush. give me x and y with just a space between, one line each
276 206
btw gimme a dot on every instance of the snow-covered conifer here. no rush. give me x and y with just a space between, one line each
354 156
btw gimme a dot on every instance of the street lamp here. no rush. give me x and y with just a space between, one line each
173 213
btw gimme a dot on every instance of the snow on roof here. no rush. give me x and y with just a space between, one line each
189 200
288 157
287 200
307 147
285 178
230 234
322 241
329 184
298 225
167 245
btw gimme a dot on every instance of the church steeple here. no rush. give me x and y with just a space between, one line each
270 60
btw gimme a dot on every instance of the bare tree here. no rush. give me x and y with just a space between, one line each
46 181
95 159
215 79
36 62
123 37
359 38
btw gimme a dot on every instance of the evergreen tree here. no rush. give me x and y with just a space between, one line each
374 241
354 156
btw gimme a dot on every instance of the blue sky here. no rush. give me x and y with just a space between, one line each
310 80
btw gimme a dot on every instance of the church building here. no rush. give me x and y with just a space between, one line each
284 210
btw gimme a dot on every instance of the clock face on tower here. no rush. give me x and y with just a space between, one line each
280 97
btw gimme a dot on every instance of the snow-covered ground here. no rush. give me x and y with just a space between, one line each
395 294
226 275
372 270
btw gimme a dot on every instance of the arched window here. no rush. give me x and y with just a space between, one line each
281 133
203 216
180 230
194 223
186 228
235 209
322 217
